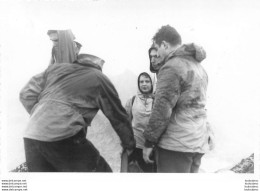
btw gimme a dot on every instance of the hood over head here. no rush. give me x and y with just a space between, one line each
145 74
90 60
64 50
192 49
151 67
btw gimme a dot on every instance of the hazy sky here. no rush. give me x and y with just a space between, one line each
120 32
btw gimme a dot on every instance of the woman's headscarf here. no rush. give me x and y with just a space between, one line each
138 79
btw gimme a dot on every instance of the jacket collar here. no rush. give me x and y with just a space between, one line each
193 50
90 61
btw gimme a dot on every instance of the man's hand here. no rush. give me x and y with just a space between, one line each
129 152
146 154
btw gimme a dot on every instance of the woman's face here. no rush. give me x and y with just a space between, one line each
145 84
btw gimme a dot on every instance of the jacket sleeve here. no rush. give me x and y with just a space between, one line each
167 94
29 94
110 104
128 108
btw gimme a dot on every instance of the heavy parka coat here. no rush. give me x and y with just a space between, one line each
66 97
178 120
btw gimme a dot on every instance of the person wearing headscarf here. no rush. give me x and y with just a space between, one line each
139 108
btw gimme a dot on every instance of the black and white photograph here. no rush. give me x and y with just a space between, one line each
129 95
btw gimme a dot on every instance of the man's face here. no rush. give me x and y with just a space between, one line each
154 59
76 48
54 38
161 52
145 84
55 43
54 53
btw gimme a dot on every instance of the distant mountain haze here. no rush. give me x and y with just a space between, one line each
125 84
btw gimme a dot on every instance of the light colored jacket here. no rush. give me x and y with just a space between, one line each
66 97
139 109
139 113
178 120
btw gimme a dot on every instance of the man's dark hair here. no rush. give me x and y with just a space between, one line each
168 34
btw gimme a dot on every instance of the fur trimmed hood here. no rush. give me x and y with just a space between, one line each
193 50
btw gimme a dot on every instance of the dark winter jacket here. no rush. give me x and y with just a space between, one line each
66 97
178 120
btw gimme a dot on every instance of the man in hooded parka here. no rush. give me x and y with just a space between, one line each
62 101
154 61
177 126
65 49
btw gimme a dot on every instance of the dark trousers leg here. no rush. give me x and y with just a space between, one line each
103 166
75 154
35 161
177 162
196 162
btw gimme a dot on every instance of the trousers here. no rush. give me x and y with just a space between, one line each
74 154
177 162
